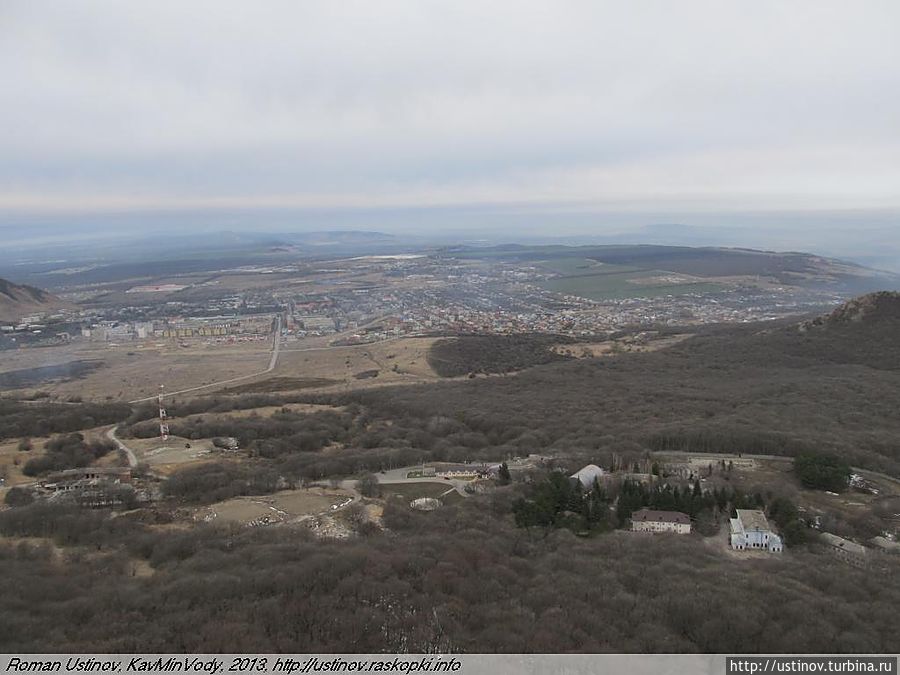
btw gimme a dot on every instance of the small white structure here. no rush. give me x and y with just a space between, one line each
588 475
646 520
425 504
751 530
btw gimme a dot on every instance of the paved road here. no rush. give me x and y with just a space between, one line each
129 453
276 348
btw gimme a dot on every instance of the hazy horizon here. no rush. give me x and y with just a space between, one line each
866 237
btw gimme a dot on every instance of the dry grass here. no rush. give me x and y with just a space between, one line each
170 455
264 411
584 349
12 460
285 506
401 361
135 370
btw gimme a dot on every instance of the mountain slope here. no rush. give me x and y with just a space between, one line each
869 310
17 301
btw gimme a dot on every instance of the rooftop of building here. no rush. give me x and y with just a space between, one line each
843 544
587 475
648 516
752 519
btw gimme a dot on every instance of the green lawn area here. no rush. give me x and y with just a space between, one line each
580 266
619 285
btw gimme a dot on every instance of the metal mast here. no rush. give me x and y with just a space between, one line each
163 419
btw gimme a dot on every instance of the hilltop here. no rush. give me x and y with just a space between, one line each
874 308
17 301
862 331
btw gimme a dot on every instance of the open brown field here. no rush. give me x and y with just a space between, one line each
285 506
613 347
269 384
401 361
585 349
167 456
136 369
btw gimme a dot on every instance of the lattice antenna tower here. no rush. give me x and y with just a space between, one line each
163 417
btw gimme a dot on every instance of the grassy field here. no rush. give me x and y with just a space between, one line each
624 284
571 267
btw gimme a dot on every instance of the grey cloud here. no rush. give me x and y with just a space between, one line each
171 103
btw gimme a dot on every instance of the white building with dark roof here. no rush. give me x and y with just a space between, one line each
646 520
751 530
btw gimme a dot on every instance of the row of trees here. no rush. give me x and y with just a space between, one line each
19 419
281 433
635 495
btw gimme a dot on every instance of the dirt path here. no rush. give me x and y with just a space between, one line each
129 453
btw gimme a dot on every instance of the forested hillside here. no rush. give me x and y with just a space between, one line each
462 579
493 354
762 388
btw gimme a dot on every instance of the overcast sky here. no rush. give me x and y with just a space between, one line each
663 107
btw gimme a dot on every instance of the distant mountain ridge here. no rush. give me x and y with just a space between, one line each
17 300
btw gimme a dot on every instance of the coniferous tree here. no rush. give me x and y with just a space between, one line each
503 474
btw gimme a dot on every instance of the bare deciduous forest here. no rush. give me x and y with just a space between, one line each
459 579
